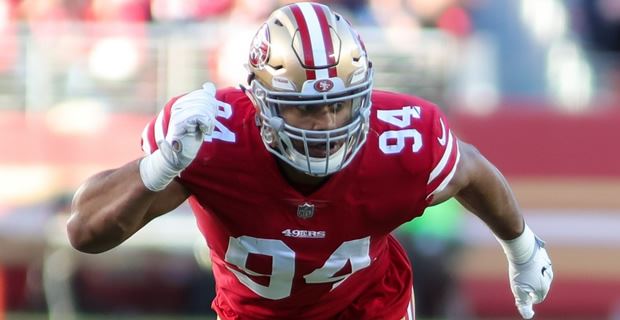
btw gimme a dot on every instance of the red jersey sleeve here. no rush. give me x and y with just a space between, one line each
156 129
444 154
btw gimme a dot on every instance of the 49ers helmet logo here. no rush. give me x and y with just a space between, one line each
259 50
323 85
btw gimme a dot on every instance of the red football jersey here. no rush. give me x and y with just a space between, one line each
281 254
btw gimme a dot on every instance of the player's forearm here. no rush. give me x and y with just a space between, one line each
489 196
108 208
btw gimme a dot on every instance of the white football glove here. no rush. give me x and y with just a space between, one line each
191 118
530 281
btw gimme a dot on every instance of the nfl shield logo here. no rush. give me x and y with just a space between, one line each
305 211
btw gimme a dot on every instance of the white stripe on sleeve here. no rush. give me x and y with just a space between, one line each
444 160
159 127
146 145
447 179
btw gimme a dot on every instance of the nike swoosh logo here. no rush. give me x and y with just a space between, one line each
442 139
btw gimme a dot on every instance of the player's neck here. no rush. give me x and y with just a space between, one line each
302 182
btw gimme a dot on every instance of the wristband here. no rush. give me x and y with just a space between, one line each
520 249
155 172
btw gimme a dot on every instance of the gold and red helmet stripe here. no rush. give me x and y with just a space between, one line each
317 44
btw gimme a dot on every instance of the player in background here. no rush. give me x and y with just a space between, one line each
297 180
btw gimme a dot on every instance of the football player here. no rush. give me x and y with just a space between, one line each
297 180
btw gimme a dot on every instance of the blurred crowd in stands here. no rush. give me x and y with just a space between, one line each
446 13
508 53
597 20
555 52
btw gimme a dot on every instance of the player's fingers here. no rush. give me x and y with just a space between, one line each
522 294
208 112
526 310
193 124
204 123
524 297
190 127
209 88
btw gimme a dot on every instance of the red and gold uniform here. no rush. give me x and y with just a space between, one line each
281 254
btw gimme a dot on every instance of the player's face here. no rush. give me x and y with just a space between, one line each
318 118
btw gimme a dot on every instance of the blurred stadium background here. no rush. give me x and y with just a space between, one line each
535 84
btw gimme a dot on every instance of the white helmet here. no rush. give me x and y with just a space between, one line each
306 55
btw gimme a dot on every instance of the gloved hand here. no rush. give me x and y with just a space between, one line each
530 281
191 118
